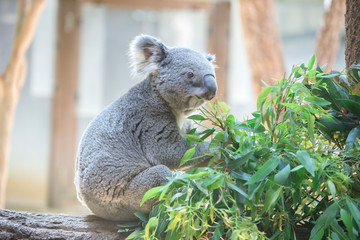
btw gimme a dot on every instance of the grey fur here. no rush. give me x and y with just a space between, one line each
134 143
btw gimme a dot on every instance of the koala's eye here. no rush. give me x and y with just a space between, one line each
190 75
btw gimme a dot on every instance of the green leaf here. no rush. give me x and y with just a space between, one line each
311 123
312 73
282 176
306 161
297 168
198 175
129 226
346 219
263 95
264 170
318 101
354 211
352 138
270 199
318 235
332 188
150 226
187 156
197 117
230 120
142 216
214 182
153 192
218 233
191 138
136 234
239 190
206 133
311 62
323 222
335 236
352 106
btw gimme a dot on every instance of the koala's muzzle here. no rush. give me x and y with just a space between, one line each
210 87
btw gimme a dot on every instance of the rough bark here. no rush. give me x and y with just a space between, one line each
24 225
12 80
352 32
330 33
262 42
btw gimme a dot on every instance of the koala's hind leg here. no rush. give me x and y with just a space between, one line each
139 185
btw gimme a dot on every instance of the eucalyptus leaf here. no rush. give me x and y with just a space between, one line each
264 170
311 62
237 189
306 161
318 101
187 156
324 221
352 106
263 95
282 176
197 117
346 219
352 139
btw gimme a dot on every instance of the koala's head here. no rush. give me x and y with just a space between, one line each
183 77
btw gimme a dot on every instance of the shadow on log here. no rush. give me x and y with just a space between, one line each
25 225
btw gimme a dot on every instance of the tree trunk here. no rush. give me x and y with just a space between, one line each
352 38
352 34
24 225
12 81
262 41
330 33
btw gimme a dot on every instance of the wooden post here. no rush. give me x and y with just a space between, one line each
64 119
219 43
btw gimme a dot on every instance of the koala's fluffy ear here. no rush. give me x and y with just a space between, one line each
146 53
211 58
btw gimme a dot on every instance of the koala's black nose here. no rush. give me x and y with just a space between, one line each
210 85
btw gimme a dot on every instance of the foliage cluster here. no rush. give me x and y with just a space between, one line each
283 169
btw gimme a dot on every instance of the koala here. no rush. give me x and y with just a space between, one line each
136 142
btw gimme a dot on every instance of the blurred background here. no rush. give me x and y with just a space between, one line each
78 64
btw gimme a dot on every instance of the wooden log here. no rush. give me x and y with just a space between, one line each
25 225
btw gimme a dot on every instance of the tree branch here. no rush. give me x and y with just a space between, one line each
26 28
25 225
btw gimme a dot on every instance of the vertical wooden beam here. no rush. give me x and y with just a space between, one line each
219 43
64 119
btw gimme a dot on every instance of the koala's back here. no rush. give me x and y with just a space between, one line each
111 149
